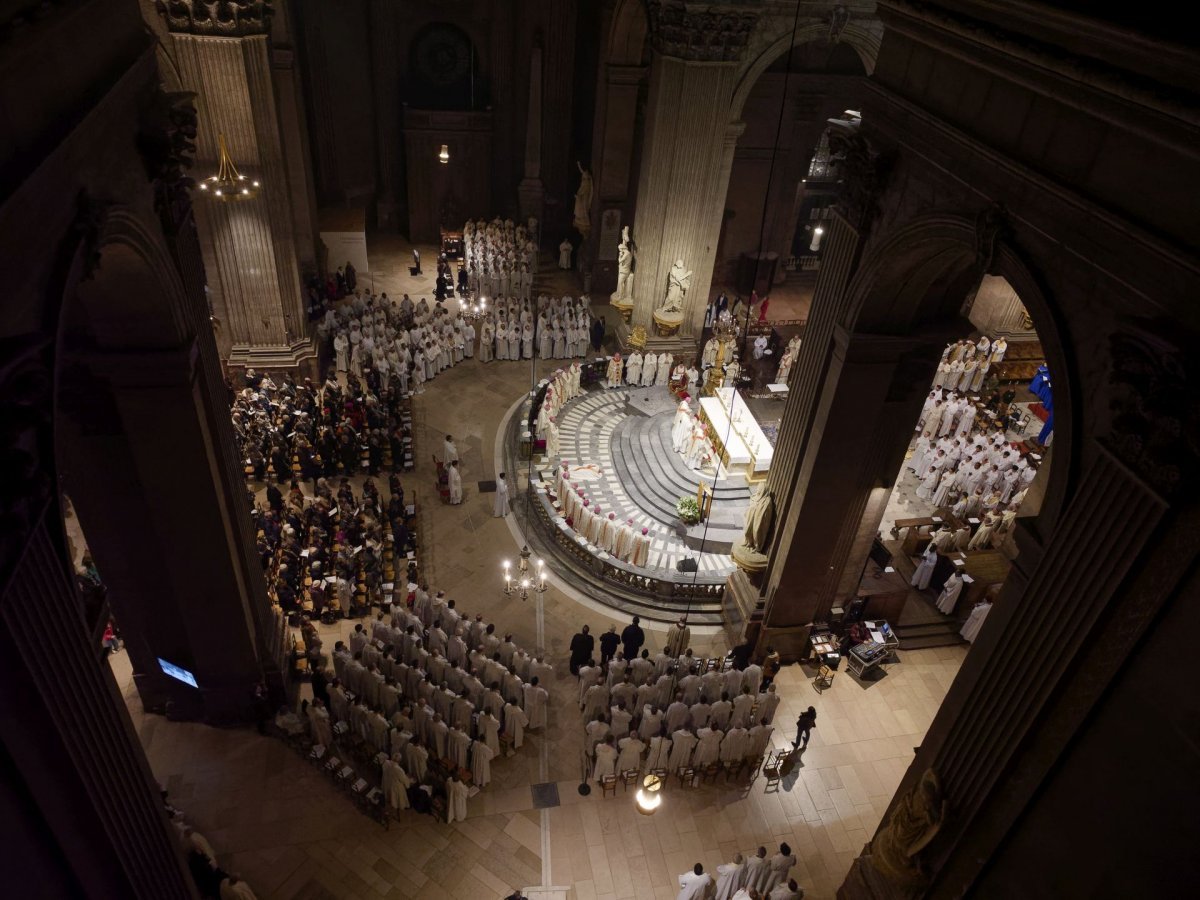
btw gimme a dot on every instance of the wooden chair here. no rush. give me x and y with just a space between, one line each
687 776
710 772
630 777
608 785
773 769
824 679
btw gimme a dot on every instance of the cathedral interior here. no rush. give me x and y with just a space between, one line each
185 188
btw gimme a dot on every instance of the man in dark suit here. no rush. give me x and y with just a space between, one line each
633 637
581 649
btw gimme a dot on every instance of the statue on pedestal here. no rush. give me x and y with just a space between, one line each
678 281
623 295
583 202
750 553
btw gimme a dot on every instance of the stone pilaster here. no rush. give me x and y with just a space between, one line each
385 67
249 246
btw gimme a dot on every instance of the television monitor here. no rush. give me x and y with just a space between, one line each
177 673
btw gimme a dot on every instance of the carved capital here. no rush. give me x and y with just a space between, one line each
863 172
26 444
710 33
1155 427
217 18
166 140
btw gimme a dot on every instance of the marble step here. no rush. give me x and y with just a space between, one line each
656 477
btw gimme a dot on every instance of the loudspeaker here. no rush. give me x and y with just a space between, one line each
687 564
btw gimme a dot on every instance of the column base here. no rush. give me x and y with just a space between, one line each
738 603
300 357
865 882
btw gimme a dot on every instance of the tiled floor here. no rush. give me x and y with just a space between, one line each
285 828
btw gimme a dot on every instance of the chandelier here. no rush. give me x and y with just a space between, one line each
228 183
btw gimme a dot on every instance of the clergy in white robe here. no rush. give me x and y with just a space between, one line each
489 731
708 750
755 873
788 890
416 759
395 784
630 756
649 369
633 369
949 596
683 742
624 543
454 483
924 571
606 759
612 531
778 867
535 703
481 763
975 620
694 885
500 505
458 744
681 427
729 877
456 800
614 371
318 718
679 638
659 754
663 376
640 555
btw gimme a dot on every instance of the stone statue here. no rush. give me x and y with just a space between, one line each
678 282
760 516
583 201
914 822
624 267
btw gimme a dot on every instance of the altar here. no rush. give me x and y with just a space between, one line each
735 434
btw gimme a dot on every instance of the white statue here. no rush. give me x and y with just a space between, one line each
678 282
583 201
624 267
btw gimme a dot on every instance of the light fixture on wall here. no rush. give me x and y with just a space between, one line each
444 154
228 183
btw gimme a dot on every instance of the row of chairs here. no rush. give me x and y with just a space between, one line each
368 798
769 765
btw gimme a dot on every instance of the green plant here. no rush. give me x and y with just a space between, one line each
688 509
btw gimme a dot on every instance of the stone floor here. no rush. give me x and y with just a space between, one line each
281 825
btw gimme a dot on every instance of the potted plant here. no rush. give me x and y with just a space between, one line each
688 510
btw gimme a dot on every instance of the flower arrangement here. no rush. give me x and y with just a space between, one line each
688 509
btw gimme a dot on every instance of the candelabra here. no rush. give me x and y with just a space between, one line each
473 308
524 581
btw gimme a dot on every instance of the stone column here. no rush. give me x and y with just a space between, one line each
385 68
529 191
249 245
172 567
861 423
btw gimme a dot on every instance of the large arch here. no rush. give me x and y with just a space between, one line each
864 41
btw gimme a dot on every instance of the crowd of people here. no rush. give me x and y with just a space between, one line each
337 552
435 693
605 531
500 259
400 345
548 328
757 877
301 431
669 712
965 462
964 365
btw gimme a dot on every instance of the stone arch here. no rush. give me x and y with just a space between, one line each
864 42
924 272
627 36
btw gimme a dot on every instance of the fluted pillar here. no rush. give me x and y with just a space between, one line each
249 245
686 159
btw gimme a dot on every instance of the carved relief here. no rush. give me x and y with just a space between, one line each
914 822
711 34
219 18
1155 413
